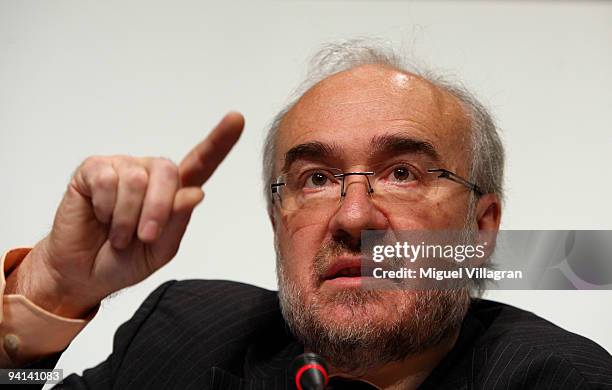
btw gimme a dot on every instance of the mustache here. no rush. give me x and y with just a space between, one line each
331 250
334 248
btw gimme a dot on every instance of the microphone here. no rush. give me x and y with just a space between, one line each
310 372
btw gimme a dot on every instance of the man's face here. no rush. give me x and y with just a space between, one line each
353 112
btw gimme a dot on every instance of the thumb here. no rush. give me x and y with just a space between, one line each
169 241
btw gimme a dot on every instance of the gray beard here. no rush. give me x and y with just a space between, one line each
421 321
365 344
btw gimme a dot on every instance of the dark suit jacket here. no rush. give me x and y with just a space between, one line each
224 335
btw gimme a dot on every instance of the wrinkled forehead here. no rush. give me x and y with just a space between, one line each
351 109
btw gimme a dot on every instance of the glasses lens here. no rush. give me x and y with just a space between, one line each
406 182
309 187
400 182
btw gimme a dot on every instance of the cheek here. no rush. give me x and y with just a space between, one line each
452 213
442 215
298 241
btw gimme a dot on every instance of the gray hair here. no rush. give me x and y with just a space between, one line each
487 152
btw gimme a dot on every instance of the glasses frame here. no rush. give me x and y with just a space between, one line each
443 174
446 174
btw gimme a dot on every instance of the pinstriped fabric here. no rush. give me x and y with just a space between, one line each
513 349
224 335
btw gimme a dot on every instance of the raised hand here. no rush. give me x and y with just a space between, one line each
120 220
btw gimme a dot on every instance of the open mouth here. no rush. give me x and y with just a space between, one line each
348 272
347 268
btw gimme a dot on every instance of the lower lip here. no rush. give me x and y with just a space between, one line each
345 282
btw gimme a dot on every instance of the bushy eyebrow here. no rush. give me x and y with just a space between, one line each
381 146
310 151
393 144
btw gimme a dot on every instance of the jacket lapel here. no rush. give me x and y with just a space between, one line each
270 373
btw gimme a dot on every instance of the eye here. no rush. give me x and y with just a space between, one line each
317 179
402 174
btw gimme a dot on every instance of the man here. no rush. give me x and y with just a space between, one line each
354 152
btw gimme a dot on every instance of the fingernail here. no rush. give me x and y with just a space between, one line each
149 231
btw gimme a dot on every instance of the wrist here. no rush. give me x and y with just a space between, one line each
33 279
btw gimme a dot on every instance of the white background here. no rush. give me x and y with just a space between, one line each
150 78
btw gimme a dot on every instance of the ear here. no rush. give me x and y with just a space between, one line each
488 212
488 219
272 219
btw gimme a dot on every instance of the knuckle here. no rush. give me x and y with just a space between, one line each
106 180
167 168
122 226
123 159
127 208
136 178
92 162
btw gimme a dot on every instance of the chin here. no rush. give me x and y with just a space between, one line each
355 306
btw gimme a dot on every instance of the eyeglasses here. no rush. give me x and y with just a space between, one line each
401 183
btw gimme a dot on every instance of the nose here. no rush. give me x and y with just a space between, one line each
357 212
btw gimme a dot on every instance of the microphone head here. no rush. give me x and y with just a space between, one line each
310 372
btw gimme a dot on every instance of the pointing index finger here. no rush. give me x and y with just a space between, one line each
200 163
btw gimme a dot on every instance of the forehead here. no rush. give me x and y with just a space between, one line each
353 107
